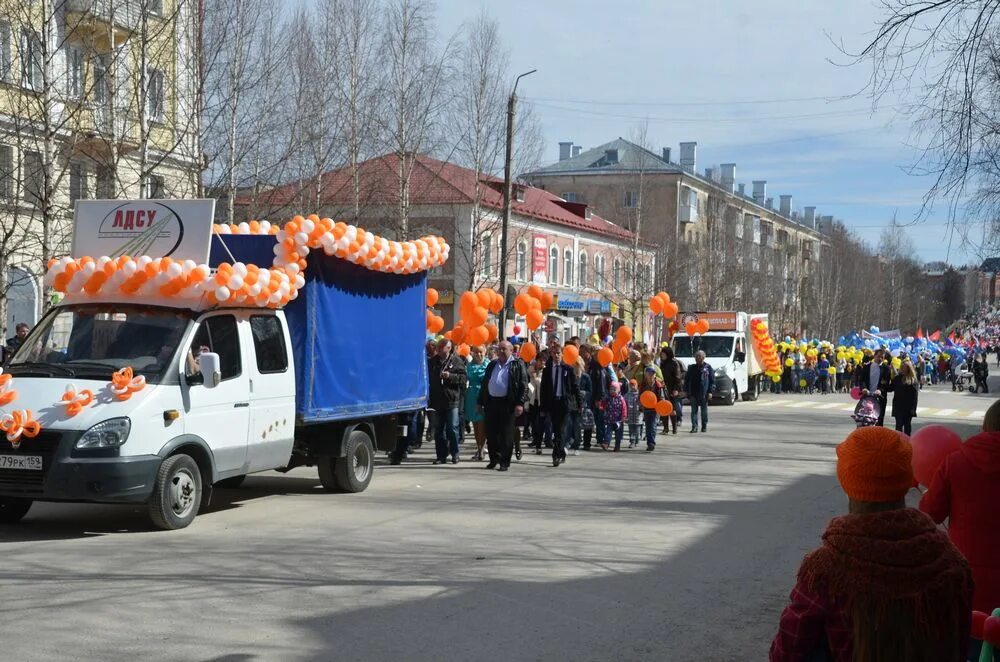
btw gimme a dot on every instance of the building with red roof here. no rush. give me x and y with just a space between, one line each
596 268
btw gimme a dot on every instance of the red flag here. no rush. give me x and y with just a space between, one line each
920 333
951 336
936 336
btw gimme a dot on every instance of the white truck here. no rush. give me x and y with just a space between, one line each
216 391
728 347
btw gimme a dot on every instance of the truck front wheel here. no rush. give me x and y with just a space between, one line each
12 509
353 472
177 493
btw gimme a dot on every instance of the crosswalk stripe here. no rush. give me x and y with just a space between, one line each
803 403
943 412
977 414
848 408
830 405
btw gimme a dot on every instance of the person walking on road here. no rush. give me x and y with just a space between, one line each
673 385
634 417
874 379
475 371
699 383
885 584
560 396
502 398
904 400
980 372
616 413
447 380
649 416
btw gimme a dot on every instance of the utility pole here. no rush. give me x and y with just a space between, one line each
511 102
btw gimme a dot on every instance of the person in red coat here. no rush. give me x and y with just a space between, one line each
886 584
966 491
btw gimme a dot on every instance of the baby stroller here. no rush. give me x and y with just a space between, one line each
867 411
964 380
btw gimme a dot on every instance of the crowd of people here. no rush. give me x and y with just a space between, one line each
563 399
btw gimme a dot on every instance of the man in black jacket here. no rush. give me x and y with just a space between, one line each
560 396
502 397
447 376
874 379
600 385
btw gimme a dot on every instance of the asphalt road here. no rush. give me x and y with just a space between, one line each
687 553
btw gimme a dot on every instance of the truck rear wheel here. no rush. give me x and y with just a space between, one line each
12 509
753 389
177 493
353 472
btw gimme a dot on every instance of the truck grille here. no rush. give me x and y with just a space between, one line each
28 483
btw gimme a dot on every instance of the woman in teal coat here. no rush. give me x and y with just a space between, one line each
475 370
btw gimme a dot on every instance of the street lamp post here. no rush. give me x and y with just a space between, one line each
511 102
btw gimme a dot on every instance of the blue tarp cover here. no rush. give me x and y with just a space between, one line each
357 335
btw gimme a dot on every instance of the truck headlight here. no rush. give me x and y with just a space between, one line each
111 433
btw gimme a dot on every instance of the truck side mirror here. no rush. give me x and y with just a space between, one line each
208 366
740 357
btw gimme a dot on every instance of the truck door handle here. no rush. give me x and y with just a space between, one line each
242 404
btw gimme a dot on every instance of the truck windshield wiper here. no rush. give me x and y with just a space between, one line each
94 365
50 369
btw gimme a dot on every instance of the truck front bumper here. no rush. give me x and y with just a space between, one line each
69 476
723 386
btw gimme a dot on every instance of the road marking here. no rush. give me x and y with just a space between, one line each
803 403
829 405
943 412
977 414
849 408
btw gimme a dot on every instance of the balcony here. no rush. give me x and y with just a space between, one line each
103 23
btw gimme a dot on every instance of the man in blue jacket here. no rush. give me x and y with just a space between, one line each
699 383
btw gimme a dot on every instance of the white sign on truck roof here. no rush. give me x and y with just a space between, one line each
179 229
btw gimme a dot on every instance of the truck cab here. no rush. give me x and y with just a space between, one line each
728 349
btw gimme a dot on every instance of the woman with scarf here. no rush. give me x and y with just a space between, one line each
886 584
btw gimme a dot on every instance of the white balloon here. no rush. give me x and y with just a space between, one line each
222 293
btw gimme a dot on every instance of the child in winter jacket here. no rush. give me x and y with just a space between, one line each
615 415
634 416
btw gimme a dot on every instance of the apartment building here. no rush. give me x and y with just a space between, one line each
98 99
719 246
596 269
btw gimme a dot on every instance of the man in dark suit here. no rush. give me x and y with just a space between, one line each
502 397
874 379
560 396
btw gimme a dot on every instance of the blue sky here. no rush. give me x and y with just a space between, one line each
755 82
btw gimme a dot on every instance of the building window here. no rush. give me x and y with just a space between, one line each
570 197
554 265
486 256
154 186
521 262
74 72
31 59
77 181
155 7
105 183
631 199
599 272
616 275
154 94
6 62
568 266
581 275
739 227
34 177
629 283
7 174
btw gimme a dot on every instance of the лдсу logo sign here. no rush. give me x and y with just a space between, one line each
144 227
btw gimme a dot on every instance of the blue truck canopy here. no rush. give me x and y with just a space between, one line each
357 335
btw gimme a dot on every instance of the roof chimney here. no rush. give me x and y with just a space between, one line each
565 149
809 220
728 176
786 205
743 190
769 203
666 155
576 150
689 153
825 224
710 174
760 191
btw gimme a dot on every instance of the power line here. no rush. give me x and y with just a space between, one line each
735 102
702 120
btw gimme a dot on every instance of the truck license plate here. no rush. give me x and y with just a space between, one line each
28 462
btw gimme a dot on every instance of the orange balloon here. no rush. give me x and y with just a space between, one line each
447 335
477 335
691 328
624 334
534 303
528 352
605 356
432 297
656 305
458 334
648 399
664 296
570 354
468 301
463 350
477 316
493 331
703 326
436 325
497 304
623 354
664 407
521 304
548 300
485 297
535 291
670 310
534 319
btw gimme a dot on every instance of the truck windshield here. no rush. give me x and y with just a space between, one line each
713 346
94 340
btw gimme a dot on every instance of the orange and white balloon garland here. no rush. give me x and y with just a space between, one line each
75 400
7 394
19 423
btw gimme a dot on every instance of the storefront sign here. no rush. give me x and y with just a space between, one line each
717 321
598 306
540 259
446 296
180 229
570 304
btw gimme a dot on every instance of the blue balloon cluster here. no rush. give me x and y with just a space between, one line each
908 346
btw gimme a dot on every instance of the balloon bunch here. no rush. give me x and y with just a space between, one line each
434 322
766 350
124 383
19 423
75 400
7 394
533 304
253 227
986 628
661 304
700 327
649 401
619 347
474 328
